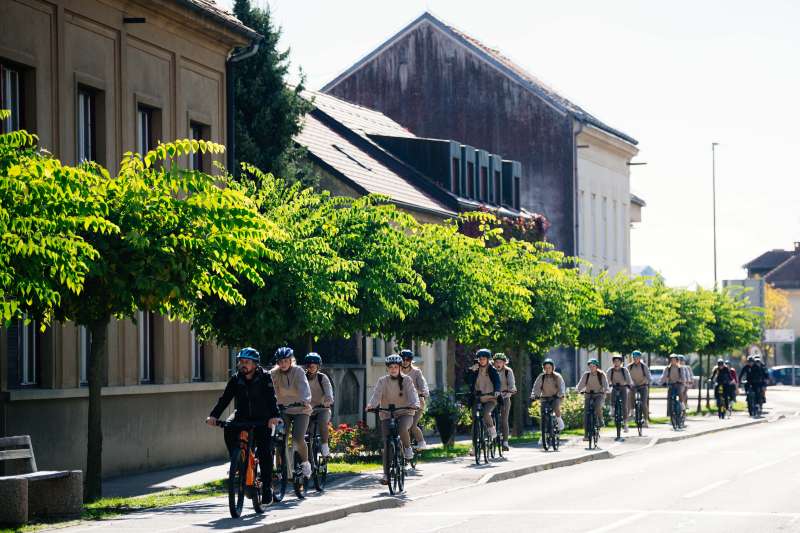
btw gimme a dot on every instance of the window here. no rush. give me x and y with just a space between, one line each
84 345
516 192
595 235
198 368
232 359
484 185
497 187
615 234
87 126
604 214
146 346
10 97
454 176
147 127
30 352
378 348
197 131
470 180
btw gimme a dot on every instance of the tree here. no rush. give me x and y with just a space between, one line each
268 112
45 208
695 319
735 325
181 238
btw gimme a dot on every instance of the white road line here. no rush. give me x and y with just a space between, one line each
707 488
771 463
619 523
595 512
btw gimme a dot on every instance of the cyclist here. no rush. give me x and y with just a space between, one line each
395 389
721 375
619 375
508 388
673 375
483 377
253 394
321 394
754 376
421 384
550 384
640 375
734 381
688 380
594 380
294 393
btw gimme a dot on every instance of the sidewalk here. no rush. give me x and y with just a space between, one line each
364 493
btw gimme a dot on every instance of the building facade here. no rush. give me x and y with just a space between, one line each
95 79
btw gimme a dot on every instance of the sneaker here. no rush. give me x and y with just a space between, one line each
493 433
625 428
471 451
326 452
306 466
408 453
560 422
505 445
422 445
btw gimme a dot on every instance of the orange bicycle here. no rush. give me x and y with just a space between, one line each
244 474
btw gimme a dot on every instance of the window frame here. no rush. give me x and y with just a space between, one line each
7 69
84 346
483 185
145 346
86 95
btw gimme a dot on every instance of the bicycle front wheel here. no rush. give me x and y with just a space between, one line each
258 504
391 457
320 466
477 442
236 483
279 470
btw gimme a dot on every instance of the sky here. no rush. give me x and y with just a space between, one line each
675 75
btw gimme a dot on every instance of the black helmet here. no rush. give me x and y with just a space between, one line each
313 358
407 354
284 352
484 352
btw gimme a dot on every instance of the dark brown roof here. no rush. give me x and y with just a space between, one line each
785 275
768 260
220 15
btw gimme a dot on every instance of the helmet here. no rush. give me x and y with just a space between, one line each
594 362
636 353
393 359
249 353
681 357
312 358
674 356
727 362
484 352
406 354
284 352
548 361
617 356
756 358
750 358
720 361
500 356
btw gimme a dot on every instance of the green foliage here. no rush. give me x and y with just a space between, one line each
695 319
572 411
442 403
735 325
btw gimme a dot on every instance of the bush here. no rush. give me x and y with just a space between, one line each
444 403
571 411
356 442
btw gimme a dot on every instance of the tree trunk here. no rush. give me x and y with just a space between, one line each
522 371
450 378
93 488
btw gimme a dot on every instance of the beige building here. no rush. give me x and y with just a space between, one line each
95 79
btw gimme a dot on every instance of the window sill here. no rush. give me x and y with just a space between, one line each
16 395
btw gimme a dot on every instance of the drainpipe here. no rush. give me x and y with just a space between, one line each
575 221
230 100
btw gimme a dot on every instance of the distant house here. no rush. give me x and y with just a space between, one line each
781 269
443 83
358 151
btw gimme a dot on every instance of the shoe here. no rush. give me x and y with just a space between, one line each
384 481
472 452
422 445
560 422
493 433
306 466
408 453
266 495
326 452
505 445
625 428
586 437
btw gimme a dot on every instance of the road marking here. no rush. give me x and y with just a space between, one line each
707 488
595 512
771 463
619 523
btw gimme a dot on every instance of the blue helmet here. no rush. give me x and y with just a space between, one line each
313 358
484 352
636 353
407 354
284 352
249 353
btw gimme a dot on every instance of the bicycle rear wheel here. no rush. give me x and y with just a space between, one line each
639 416
236 483
258 504
279 470
320 466
487 443
392 480
298 481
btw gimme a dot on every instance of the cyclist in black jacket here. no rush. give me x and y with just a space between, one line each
755 374
253 393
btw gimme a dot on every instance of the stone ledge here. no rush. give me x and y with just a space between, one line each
130 390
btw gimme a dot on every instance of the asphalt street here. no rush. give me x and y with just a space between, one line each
742 480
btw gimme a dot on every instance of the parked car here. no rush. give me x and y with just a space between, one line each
782 375
656 371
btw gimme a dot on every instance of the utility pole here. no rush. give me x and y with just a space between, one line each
714 203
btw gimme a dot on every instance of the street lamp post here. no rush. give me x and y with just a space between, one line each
714 215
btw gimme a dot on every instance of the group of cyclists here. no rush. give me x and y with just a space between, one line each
291 395
726 383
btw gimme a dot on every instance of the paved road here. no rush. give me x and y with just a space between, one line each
742 480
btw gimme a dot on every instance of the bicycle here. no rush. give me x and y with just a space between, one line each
619 415
319 463
397 461
549 425
480 435
496 444
723 405
638 408
298 480
677 415
591 424
753 400
244 475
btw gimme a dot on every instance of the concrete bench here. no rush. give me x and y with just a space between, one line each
36 494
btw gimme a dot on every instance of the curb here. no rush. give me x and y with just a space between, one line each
525 470
313 519
675 438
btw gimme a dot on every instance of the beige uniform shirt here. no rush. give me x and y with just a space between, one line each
388 391
507 382
619 376
292 387
640 374
596 382
672 374
320 394
547 385
418 378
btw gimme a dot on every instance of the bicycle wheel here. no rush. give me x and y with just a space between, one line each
413 461
392 480
298 481
554 432
592 431
618 416
320 466
476 440
258 504
639 416
544 429
401 469
236 483
279 470
487 442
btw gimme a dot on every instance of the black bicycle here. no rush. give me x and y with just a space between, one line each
723 400
619 415
753 400
481 441
244 475
549 424
638 407
283 443
496 443
319 463
677 415
397 461
591 423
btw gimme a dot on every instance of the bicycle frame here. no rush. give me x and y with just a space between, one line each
592 428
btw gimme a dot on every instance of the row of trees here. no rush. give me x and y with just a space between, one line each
257 261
